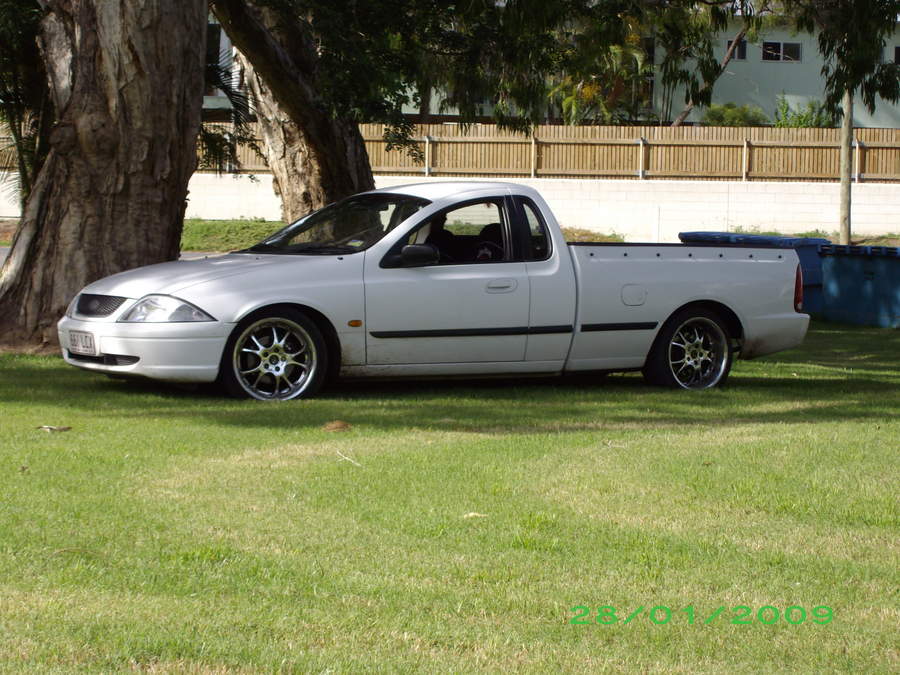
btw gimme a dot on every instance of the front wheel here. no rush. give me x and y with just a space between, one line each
693 351
276 355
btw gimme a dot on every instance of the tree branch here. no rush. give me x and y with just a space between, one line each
729 53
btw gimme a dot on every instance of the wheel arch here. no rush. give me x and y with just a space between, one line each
323 323
732 322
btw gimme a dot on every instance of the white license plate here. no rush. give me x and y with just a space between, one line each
81 343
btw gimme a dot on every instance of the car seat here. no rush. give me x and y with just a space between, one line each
489 243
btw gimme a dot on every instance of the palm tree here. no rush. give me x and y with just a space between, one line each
26 110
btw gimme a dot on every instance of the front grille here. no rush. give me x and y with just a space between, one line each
106 359
98 305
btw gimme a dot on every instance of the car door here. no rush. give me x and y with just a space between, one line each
471 306
551 279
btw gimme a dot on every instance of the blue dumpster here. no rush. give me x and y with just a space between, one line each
861 284
807 249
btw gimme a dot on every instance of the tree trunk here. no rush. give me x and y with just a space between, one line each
846 164
424 90
297 177
729 53
315 158
127 86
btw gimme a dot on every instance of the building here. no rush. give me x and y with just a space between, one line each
780 62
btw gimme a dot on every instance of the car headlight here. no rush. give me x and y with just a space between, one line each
164 309
70 310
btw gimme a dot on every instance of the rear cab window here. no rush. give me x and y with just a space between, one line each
533 236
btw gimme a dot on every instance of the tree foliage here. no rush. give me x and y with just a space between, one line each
484 57
813 114
602 82
217 144
687 33
25 106
733 115
852 35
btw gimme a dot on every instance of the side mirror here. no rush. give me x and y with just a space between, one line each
418 255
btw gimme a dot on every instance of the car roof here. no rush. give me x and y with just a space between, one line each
440 189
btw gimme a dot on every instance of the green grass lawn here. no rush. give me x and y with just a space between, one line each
225 235
179 531
229 235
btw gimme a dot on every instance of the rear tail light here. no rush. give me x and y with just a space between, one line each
798 290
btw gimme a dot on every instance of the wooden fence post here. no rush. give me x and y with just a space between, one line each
533 155
857 157
745 161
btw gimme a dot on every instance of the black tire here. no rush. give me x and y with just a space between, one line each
276 354
692 351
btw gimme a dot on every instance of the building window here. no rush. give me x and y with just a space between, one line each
740 52
781 51
649 45
213 54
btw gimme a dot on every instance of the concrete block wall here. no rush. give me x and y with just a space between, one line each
9 199
651 210
232 196
658 210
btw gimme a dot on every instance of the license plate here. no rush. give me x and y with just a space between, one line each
81 343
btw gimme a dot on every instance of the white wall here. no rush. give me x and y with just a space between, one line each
232 196
656 210
650 210
9 198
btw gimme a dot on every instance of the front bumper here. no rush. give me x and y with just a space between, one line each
176 352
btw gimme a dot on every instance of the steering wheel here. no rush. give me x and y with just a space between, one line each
488 250
443 256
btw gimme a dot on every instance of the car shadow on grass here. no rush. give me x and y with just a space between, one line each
495 406
840 373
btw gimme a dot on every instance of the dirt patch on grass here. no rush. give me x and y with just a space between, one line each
883 240
7 229
579 234
30 350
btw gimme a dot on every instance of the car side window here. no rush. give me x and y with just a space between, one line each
538 247
472 233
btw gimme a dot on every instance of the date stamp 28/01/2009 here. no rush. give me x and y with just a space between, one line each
607 615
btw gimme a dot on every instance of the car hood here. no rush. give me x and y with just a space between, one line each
170 278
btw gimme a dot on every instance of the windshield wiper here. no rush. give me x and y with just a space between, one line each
322 249
259 248
302 249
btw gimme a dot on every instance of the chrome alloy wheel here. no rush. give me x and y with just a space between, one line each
698 353
274 358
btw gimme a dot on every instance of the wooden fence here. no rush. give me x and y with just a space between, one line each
640 153
630 153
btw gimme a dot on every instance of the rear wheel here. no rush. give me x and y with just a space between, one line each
276 355
693 351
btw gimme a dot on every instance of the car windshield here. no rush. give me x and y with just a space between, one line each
351 225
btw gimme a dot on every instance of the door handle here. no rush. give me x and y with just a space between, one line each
501 285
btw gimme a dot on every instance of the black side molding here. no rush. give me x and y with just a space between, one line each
549 330
472 332
597 327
